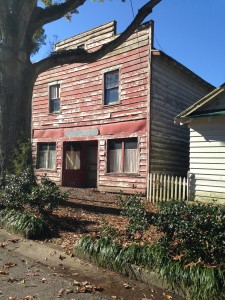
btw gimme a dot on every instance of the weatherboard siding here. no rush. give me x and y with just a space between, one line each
82 107
172 91
207 159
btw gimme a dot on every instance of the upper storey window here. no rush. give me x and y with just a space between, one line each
54 98
111 87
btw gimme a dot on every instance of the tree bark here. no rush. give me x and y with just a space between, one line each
16 85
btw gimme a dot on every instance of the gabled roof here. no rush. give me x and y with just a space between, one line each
194 111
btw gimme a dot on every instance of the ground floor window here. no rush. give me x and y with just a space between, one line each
123 156
46 156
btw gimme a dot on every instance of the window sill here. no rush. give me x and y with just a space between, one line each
46 170
55 112
111 104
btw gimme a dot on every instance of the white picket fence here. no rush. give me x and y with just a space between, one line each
166 187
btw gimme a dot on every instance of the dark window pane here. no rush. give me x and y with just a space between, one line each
131 144
111 87
54 105
112 79
111 96
113 145
54 91
43 147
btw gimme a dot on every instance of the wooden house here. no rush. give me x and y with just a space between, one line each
206 120
109 124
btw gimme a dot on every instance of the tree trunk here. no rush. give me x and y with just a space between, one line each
16 85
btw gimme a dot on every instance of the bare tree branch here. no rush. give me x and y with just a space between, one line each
55 12
82 56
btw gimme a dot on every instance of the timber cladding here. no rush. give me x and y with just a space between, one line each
109 124
95 143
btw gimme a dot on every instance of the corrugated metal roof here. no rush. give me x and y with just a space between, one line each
191 111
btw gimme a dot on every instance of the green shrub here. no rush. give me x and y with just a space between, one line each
27 225
21 192
22 157
196 282
194 233
16 189
133 208
46 196
107 230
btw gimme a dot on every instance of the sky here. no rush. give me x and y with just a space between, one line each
190 31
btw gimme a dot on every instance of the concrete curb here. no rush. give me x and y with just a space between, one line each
135 272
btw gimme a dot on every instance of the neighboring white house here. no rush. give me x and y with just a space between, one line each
206 120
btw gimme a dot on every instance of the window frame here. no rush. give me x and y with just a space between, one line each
39 144
50 99
106 89
123 140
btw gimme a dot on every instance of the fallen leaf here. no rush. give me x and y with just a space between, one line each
98 288
43 280
126 285
61 293
167 296
76 283
11 279
31 274
14 240
22 281
9 265
61 257
69 291
85 289
3 272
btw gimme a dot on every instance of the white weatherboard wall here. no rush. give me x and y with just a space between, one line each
207 159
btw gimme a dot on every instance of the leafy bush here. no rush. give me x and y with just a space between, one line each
134 210
20 192
27 225
22 157
194 233
46 196
16 189
107 230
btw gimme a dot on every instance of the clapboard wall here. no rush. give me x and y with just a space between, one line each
207 158
173 89
82 91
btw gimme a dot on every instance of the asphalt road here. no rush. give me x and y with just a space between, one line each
34 270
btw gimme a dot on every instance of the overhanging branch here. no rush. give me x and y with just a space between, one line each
82 56
55 12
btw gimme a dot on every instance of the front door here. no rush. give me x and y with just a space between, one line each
80 164
73 169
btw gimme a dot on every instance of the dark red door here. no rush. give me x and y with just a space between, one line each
73 169
80 164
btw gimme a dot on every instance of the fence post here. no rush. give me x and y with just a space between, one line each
166 187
